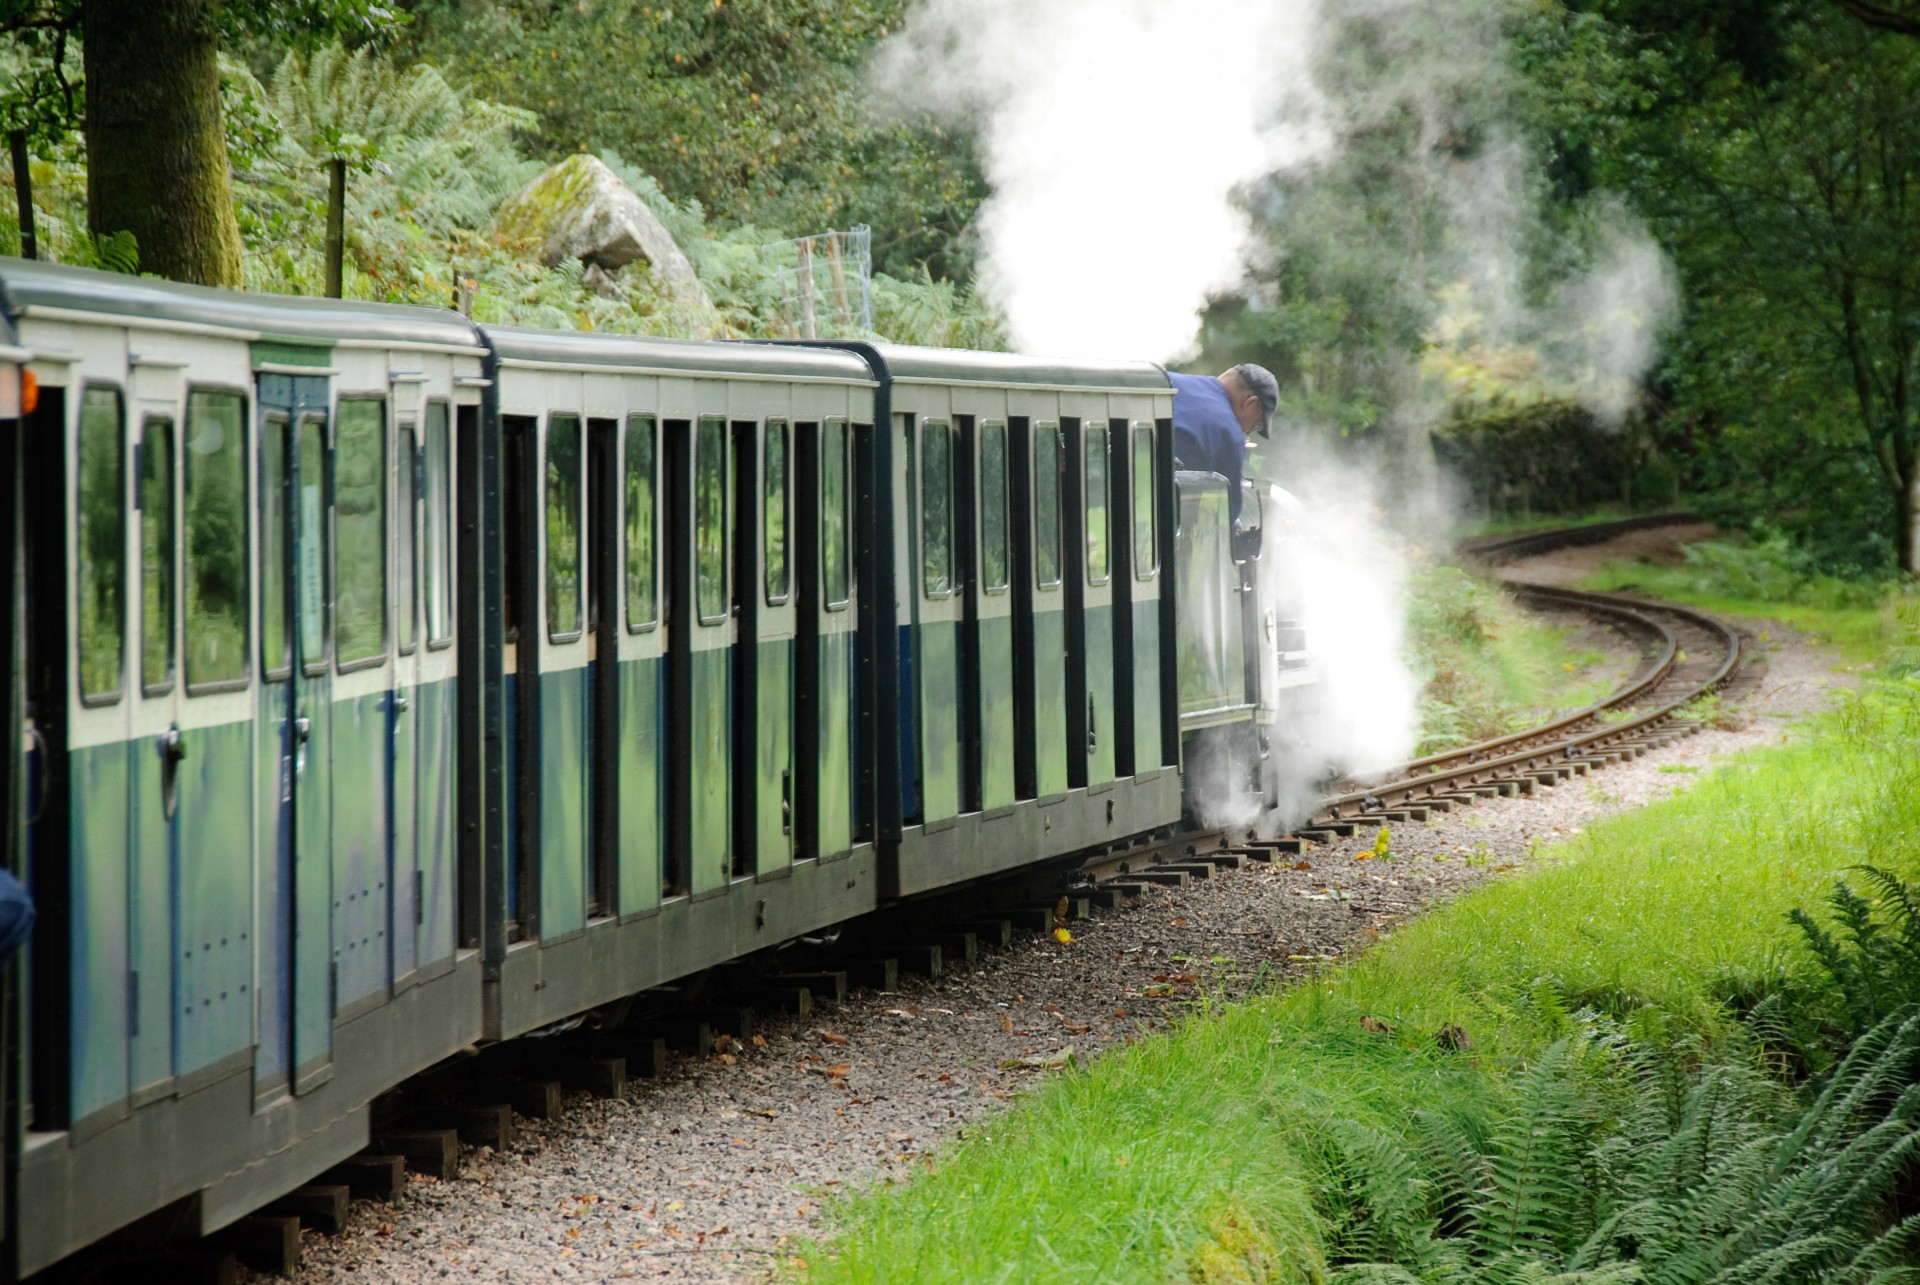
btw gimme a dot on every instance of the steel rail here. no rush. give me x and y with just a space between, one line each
1438 776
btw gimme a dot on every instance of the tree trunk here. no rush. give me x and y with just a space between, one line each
156 150
1907 516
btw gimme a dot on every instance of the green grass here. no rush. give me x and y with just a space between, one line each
1860 618
1212 1152
1485 665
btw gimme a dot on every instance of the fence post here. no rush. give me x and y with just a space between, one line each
336 223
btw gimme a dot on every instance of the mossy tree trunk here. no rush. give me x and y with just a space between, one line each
156 149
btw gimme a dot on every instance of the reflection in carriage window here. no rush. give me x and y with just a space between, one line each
774 514
835 555
563 526
156 553
406 478
641 583
710 520
275 645
1098 559
438 533
1046 505
100 566
310 519
936 509
993 507
1146 552
360 529
216 538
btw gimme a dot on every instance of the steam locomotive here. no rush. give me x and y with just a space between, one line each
379 684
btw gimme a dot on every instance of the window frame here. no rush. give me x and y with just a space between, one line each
986 583
1104 429
172 422
1139 431
379 657
321 665
101 699
282 421
563 637
445 585
945 428
828 427
1040 583
701 424
250 456
785 432
411 483
628 436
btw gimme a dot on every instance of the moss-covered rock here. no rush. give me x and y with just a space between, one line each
579 209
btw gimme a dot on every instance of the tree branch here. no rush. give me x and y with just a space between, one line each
1885 19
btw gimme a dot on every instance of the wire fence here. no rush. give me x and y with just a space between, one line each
827 287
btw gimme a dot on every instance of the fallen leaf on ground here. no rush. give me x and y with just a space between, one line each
1375 1025
838 1071
1303 865
832 1038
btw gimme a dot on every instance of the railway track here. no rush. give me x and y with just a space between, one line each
1686 655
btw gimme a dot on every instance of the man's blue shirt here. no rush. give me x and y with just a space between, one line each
1206 436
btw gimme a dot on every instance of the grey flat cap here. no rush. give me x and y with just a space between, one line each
1261 383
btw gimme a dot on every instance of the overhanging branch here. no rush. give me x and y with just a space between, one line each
1885 19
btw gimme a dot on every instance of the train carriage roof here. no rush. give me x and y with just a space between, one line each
676 356
904 363
53 289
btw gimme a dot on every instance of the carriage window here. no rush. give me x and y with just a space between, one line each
438 528
101 566
563 526
1098 559
156 554
774 514
710 520
1146 550
406 478
835 555
936 509
310 519
993 507
641 582
216 538
360 529
274 643
1046 506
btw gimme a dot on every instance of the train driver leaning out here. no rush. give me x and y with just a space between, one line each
1214 415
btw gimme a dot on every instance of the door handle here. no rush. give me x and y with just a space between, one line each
400 702
302 729
173 746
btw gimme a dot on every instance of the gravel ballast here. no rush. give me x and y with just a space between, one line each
706 1174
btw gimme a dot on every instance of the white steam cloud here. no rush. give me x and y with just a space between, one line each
1114 133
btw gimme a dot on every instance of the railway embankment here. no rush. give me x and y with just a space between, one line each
1383 1110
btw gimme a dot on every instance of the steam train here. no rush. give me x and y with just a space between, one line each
380 684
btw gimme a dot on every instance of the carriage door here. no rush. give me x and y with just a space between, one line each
990 620
1090 718
764 794
404 486
296 636
823 555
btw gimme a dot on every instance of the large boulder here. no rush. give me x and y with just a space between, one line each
579 209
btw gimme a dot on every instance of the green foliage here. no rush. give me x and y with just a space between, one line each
1485 666
1701 1177
753 109
1770 146
1874 965
1612 1120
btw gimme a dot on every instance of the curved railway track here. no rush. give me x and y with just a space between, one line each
1688 655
